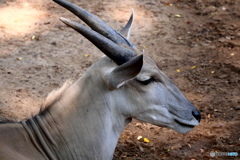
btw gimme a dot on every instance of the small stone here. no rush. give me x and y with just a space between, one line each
209 9
224 8
141 149
179 38
54 43
212 47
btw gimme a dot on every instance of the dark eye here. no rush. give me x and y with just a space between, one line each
146 82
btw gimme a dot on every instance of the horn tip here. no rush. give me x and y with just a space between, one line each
64 19
67 21
132 10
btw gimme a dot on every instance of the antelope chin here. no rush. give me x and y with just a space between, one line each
184 126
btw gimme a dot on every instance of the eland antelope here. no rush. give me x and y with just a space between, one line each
84 120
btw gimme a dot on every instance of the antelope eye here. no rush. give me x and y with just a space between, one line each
146 82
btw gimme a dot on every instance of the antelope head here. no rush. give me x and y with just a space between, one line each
140 88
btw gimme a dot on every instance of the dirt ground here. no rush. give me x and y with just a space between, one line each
195 42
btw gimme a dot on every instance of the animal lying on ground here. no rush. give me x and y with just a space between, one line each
84 120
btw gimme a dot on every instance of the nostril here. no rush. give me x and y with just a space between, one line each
197 115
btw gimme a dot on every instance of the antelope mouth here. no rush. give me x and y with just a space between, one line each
184 124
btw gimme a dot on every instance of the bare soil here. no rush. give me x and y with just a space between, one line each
195 42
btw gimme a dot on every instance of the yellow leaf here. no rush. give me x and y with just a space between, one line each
146 140
86 55
178 70
193 67
178 15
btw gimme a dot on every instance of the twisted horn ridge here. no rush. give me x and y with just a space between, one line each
115 52
95 23
107 37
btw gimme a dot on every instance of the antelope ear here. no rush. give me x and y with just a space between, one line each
124 73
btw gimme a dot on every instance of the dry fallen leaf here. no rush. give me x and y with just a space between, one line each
178 15
146 140
209 116
139 137
189 145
